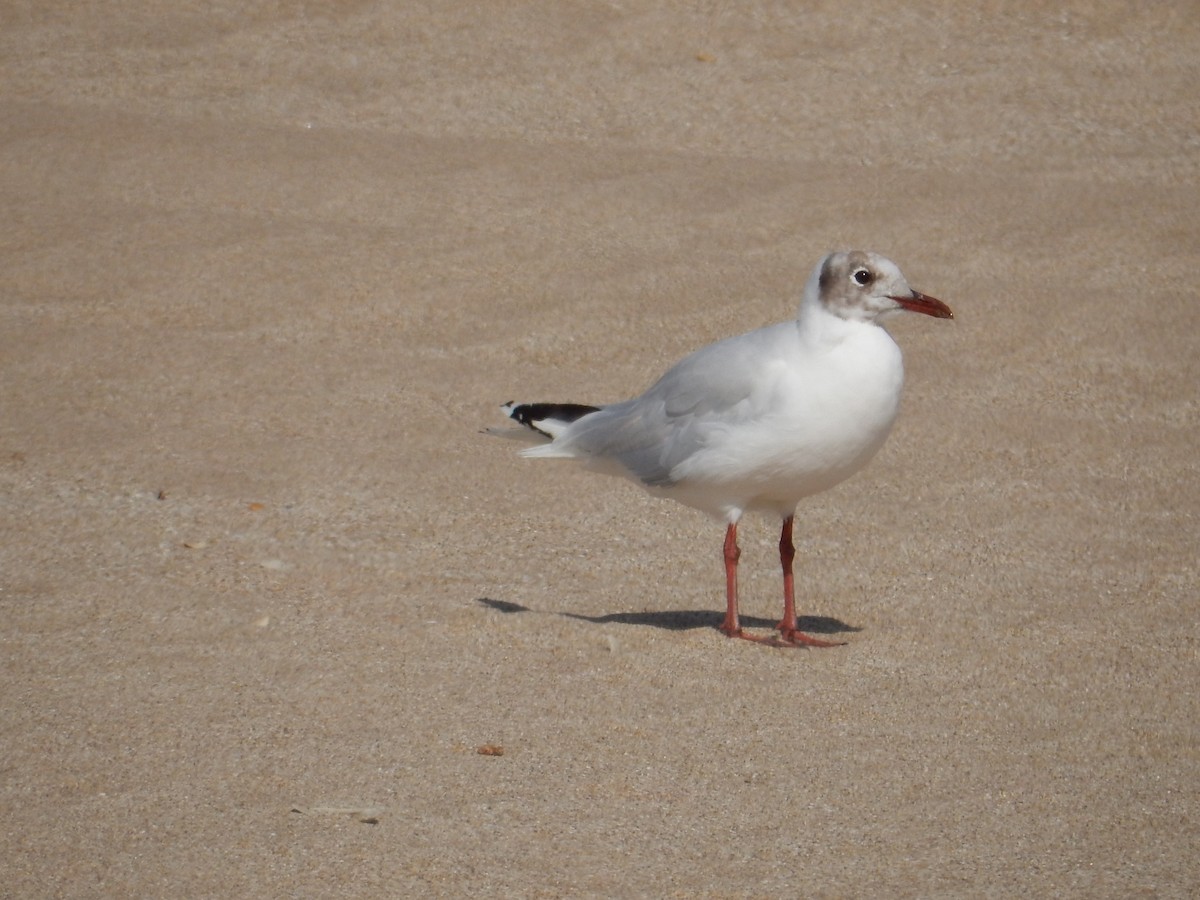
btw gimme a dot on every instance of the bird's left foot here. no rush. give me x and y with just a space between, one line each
794 637
786 638
769 639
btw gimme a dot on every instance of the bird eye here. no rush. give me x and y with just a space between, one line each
862 276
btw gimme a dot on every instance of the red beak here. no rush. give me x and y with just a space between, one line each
923 303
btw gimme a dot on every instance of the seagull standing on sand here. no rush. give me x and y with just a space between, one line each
759 421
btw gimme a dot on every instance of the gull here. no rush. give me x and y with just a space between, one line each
759 421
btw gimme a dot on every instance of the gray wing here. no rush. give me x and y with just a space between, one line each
697 400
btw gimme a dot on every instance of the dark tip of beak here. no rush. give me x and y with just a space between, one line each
926 305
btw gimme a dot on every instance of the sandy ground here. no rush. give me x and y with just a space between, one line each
265 590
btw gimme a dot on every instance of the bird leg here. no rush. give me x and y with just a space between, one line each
731 626
788 628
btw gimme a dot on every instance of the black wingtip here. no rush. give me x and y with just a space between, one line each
530 414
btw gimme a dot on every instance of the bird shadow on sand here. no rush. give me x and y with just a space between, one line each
683 619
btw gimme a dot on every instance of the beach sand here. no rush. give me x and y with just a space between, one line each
278 620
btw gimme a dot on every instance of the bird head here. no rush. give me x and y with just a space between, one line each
864 286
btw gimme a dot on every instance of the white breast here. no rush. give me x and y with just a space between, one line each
823 412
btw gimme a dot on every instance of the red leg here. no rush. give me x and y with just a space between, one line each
788 627
787 553
731 626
